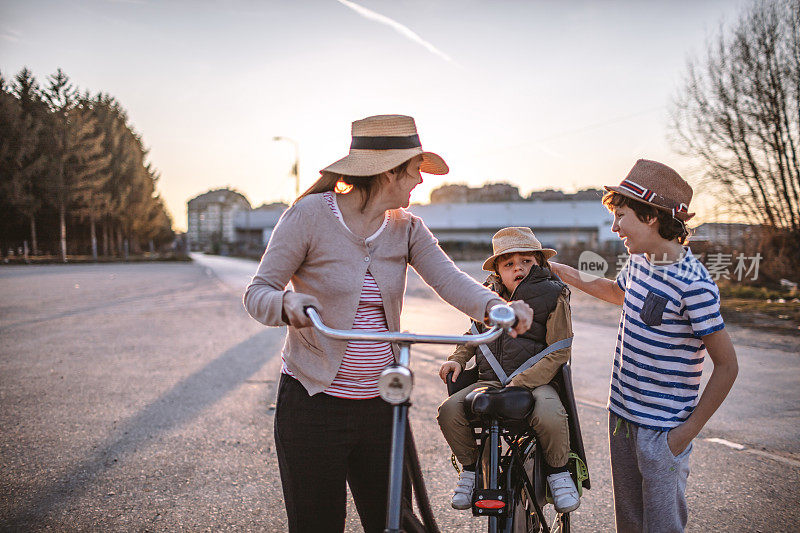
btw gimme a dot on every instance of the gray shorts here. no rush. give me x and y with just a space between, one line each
649 482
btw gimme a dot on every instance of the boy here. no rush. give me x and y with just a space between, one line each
520 271
670 319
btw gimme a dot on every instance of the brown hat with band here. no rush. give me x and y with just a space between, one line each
517 239
381 143
657 184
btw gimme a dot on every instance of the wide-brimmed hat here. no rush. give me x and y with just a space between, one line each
510 240
656 184
381 143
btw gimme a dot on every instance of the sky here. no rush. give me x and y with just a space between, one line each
539 94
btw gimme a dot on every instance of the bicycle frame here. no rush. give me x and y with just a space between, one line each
396 383
492 435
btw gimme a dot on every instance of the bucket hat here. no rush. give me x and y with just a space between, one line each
657 184
510 240
381 143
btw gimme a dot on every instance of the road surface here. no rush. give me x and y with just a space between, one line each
137 398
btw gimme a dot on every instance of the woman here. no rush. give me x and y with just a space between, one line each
346 254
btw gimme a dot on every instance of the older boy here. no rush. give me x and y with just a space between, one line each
670 320
519 271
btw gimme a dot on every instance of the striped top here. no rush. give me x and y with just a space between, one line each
659 355
363 362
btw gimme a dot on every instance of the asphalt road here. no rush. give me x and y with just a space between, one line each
137 398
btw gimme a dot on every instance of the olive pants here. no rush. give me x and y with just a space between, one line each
549 421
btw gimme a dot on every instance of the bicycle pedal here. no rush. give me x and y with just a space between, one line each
489 502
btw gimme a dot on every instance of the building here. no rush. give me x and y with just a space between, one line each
556 223
222 220
211 219
254 227
727 234
491 192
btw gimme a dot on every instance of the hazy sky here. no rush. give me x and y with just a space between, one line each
561 94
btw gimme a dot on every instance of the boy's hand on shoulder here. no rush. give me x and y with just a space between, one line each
557 268
447 367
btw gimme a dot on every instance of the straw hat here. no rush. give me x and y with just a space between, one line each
381 143
658 185
510 240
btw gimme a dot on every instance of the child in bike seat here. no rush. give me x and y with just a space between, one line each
519 271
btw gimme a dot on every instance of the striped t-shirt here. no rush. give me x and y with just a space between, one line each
659 354
363 362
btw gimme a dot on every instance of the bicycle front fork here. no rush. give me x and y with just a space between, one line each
395 502
395 386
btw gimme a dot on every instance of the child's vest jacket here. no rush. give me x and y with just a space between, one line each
540 289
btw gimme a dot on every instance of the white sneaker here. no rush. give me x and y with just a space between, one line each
565 494
462 495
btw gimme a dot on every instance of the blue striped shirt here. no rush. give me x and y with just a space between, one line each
659 355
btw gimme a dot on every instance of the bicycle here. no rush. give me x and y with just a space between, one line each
510 486
395 385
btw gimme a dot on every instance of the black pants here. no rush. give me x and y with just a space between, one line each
323 441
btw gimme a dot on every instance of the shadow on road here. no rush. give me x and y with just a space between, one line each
177 407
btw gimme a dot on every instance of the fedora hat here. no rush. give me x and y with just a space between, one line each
657 184
381 143
510 240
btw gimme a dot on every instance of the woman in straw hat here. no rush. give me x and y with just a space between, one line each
345 245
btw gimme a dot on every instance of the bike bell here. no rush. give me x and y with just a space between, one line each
395 384
503 316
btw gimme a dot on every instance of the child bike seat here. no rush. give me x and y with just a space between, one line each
509 403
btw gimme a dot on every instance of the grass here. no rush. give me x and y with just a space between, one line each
760 307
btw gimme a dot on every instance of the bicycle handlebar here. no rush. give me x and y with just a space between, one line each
501 315
396 382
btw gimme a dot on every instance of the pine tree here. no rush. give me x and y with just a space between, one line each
89 168
23 156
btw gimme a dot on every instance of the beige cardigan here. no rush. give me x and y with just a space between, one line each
313 250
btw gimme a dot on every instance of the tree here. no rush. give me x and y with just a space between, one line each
78 161
70 158
114 122
60 97
22 155
89 168
739 114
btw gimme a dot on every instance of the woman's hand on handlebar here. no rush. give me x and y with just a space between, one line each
524 315
294 304
447 367
522 311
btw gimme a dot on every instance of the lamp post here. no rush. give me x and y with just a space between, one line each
296 166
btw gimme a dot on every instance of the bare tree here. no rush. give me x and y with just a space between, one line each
739 114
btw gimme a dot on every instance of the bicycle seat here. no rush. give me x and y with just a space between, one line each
509 403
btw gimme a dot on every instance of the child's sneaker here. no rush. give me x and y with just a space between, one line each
565 494
462 495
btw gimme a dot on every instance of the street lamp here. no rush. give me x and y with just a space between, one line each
296 166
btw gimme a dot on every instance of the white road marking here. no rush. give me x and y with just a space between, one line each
734 445
779 458
729 444
761 453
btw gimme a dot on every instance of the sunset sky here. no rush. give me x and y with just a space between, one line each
540 94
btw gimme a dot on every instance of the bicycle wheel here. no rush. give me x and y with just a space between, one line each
561 524
523 517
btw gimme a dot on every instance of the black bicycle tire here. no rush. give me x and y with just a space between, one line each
543 526
414 472
532 525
